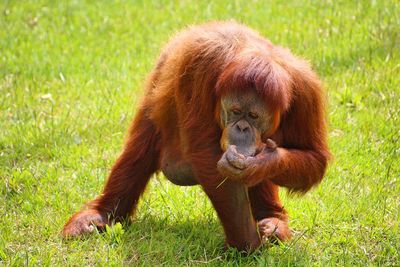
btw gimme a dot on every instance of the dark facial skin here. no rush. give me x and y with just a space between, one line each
244 118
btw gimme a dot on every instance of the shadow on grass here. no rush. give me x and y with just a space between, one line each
172 241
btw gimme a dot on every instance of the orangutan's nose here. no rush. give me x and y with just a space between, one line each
242 126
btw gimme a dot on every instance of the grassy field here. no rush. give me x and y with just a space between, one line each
71 74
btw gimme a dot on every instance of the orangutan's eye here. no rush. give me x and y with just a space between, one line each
253 115
236 111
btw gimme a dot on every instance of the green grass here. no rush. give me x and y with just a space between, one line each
71 74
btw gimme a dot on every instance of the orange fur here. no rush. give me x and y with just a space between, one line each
180 111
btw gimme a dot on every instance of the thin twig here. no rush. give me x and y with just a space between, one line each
223 181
